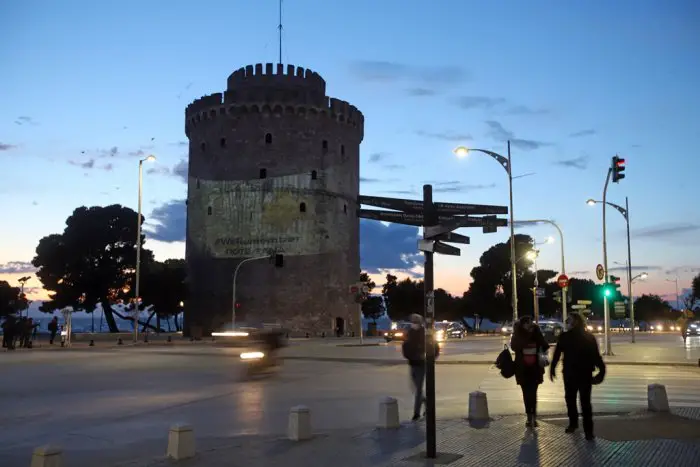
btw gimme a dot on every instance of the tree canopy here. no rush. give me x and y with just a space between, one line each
10 300
652 307
92 262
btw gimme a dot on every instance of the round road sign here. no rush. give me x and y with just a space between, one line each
600 272
563 281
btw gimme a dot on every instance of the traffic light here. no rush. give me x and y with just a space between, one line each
618 167
238 305
612 287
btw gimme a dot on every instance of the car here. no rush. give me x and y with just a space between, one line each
399 333
551 329
595 326
507 329
445 330
694 328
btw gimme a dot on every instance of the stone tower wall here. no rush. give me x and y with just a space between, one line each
273 167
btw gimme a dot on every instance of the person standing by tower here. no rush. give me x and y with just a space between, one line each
581 358
414 351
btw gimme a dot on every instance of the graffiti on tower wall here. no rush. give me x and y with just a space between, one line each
246 218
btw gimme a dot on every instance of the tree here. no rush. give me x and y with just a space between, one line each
366 280
164 286
92 262
373 308
402 298
651 307
9 299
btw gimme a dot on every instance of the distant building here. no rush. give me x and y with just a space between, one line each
273 168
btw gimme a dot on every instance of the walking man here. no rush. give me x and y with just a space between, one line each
414 351
581 358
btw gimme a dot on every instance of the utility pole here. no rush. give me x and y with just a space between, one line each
430 218
606 307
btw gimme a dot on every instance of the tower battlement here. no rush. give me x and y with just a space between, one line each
271 90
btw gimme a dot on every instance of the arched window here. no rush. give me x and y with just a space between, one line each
263 173
203 146
223 142
342 149
325 145
345 208
268 138
302 207
314 175
209 211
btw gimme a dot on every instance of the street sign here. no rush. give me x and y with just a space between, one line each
540 292
584 302
406 205
438 247
450 223
452 237
563 281
600 272
416 206
578 307
391 216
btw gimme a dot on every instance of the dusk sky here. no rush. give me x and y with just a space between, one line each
88 87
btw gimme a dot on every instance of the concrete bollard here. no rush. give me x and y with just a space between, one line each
170 339
47 456
92 343
299 427
389 413
657 399
181 442
478 406
119 341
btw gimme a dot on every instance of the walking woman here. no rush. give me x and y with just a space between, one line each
528 343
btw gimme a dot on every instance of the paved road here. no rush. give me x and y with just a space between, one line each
107 399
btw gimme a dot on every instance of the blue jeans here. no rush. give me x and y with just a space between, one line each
417 378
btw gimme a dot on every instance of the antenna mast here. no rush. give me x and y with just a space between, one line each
280 32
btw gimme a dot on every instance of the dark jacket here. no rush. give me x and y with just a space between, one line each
525 344
581 356
414 347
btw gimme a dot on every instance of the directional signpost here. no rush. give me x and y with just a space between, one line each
438 221
620 309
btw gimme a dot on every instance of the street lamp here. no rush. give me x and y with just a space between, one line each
462 152
678 299
626 214
149 158
641 276
22 281
532 255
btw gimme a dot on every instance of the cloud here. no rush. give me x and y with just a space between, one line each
580 163
445 135
180 143
378 156
159 170
429 80
455 186
7 147
392 246
181 170
394 167
402 192
25 120
579 134
636 268
499 133
88 164
663 231
17 267
168 222
479 102
377 180
420 92
498 104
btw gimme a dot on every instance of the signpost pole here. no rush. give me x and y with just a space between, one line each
429 219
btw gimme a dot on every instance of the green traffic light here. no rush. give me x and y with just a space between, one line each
608 292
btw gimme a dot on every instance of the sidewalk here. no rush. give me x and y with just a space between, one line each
503 442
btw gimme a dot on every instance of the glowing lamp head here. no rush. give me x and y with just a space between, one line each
590 202
150 158
461 151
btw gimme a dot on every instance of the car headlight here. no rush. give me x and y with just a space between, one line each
600 328
398 334
504 329
589 327
694 326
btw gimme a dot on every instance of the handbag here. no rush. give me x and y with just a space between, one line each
543 359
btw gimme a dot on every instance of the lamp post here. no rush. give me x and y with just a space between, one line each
678 298
149 158
22 281
563 264
462 152
626 214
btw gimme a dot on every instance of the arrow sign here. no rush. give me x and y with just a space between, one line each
584 302
391 216
578 307
448 224
406 205
416 206
437 247
451 237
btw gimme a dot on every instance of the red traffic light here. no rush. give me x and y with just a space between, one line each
238 305
620 162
